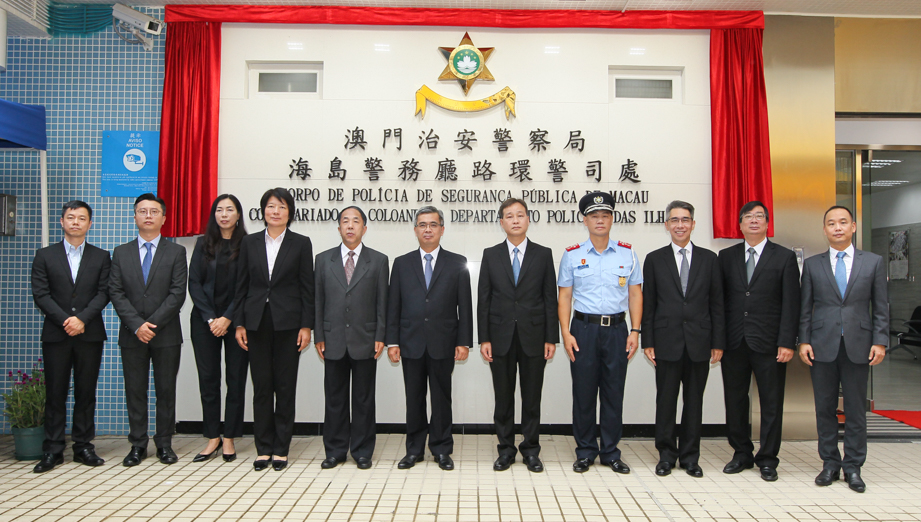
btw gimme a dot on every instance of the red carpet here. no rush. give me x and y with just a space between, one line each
912 418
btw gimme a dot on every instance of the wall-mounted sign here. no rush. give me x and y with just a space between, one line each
129 163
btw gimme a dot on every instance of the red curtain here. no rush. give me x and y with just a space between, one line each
739 128
507 18
189 125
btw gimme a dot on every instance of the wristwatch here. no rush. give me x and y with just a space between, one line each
637 330
210 321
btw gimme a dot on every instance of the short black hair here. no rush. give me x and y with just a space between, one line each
679 204
282 195
150 197
74 205
833 207
752 205
364 219
509 202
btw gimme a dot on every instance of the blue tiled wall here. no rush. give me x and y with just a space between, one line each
87 85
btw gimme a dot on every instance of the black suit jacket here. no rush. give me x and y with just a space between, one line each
158 302
434 320
289 292
201 283
672 321
59 297
531 305
351 316
765 311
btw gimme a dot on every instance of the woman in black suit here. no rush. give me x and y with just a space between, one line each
212 283
274 313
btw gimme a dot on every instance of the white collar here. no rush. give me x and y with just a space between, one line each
344 250
849 252
521 248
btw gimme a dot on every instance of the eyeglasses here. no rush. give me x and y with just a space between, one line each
760 216
426 226
152 212
682 220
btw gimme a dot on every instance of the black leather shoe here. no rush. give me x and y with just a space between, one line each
444 462
48 462
693 470
768 473
363 462
167 455
88 457
503 462
409 461
135 456
330 463
618 466
229 457
664 469
279 465
826 477
855 482
533 463
201 457
737 466
582 465
261 464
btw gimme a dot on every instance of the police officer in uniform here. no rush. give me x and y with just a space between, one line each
605 280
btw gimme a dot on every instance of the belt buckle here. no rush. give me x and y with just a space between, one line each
605 320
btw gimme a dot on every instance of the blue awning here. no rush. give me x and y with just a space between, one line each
22 126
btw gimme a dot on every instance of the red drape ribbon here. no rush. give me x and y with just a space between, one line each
507 18
739 128
191 90
187 179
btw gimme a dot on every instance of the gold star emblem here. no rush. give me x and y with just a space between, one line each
466 63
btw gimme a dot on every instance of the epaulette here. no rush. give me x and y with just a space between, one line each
570 249
625 245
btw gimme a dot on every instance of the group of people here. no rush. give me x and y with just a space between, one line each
260 298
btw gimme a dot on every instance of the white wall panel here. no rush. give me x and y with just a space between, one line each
562 80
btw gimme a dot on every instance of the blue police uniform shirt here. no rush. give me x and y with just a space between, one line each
595 277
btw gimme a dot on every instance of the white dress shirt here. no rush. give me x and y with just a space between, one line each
153 249
434 257
758 249
521 248
271 248
848 259
74 257
344 251
676 248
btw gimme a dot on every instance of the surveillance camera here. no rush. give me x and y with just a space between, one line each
136 19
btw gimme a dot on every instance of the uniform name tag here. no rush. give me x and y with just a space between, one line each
622 280
580 267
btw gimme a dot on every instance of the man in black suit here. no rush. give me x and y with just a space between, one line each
843 330
147 287
761 290
517 286
351 308
70 286
429 325
683 331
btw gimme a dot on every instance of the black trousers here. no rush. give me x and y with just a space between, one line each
273 359
504 370
600 368
437 374
771 377
340 433
852 377
136 364
208 360
682 444
84 358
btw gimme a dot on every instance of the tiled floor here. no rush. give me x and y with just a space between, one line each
220 491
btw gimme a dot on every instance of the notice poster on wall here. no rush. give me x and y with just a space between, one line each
129 163
898 254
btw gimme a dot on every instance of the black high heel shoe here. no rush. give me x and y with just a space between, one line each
201 457
228 457
261 464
